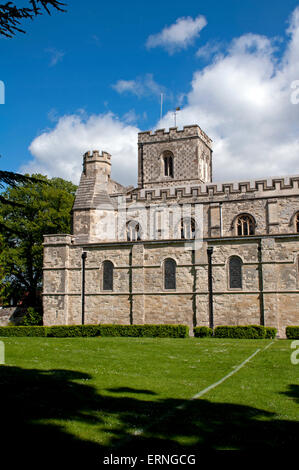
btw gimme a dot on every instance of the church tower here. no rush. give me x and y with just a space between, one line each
174 158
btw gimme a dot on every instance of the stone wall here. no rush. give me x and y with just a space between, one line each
11 315
139 296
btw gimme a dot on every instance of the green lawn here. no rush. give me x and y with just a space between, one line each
96 396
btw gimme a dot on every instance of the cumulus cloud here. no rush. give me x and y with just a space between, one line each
242 100
178 35
59 151
141 86
209 50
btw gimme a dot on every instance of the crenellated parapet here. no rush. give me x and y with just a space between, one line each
161 135
264 188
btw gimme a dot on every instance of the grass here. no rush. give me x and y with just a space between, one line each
95 396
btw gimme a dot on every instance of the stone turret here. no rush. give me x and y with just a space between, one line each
92 197
98 166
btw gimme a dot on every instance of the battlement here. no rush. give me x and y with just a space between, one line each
161 135
261 188
95 156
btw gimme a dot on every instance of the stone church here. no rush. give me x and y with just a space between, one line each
178 248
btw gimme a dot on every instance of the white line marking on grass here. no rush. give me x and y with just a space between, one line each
141 431
214 385
268 345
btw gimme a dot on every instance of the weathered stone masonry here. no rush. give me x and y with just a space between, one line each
253 220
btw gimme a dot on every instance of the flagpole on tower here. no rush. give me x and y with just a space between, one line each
174 114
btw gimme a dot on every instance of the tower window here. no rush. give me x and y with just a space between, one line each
108 268
235 272
297 222
245 225
168 164
169 274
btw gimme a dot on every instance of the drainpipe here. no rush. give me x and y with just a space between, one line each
261 283
194 289
84 255
131 285
210 286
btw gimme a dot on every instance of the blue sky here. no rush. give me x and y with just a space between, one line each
92 78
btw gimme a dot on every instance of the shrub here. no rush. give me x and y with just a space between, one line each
246 332
71 331
32 317
292 332
271 332
22 331
202 331
161 331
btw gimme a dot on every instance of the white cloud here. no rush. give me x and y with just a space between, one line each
55 56
141 86
59 151
179 35
242 101
121 86
208 50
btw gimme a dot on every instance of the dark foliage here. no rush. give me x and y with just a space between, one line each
11 15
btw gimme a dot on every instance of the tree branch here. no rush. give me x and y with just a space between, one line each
11 15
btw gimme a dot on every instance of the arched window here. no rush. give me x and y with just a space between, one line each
235 272
169 273
168 164
297 222
188 228
245 225
133 231
108 268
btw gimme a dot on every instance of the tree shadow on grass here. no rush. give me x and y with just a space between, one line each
31 399
130 390
293 392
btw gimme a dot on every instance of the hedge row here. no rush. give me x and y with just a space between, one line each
292 332
161 331
202 331
246 332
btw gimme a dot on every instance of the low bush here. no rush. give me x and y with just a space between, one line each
246 332
32 318
292 332
202 331
71 331
161 331
22 331
271 332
